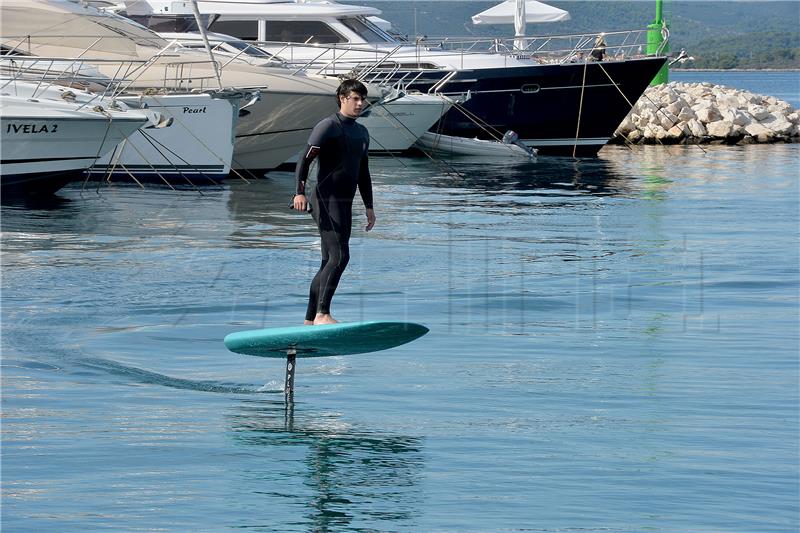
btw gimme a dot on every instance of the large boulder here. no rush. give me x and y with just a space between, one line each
668 96
736 116
746 99
720 129
696 128
781 108
759 132
728 100
667 119
654 132
676 132
708 115
779 125
686 114
634 136
626 126
759 112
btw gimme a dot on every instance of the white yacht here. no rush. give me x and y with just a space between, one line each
50 134
555 104
267 133
196 148
394 123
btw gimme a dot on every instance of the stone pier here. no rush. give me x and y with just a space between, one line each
706 113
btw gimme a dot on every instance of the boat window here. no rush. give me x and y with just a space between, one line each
391 66
241 29
168 24
301 31
366 30
530 88
248 48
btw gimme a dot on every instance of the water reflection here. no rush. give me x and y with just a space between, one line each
349 474
261 211
36 202
120 211
260 207
584 176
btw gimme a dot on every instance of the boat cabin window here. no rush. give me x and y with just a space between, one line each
301 31
366 30
246 30
232 47
249 49
391 66
167 24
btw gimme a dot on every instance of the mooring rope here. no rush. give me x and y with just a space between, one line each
580 110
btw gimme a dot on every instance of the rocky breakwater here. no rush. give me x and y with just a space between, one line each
706 113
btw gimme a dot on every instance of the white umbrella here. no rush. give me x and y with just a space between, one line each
533 12
519 12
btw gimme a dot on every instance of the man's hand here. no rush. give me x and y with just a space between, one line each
300 202
370 219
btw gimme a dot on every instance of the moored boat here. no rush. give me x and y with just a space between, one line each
273 129
449 145
555 103
196 148
394 123
49 137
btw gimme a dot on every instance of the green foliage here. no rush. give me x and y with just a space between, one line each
766 49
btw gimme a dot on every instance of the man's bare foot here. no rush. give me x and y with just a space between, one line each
308 322
321 319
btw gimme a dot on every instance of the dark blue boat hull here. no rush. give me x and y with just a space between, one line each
560 109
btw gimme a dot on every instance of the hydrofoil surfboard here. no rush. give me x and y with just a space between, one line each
322 341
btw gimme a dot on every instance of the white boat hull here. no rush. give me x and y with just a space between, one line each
277 128
43 137
195 148
395 126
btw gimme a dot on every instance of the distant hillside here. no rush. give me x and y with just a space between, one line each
719 34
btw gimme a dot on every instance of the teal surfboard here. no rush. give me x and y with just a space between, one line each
324 341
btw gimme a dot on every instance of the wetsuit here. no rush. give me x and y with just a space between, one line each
341 145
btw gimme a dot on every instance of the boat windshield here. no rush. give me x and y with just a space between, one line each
302 31
249 49
366 29
168 24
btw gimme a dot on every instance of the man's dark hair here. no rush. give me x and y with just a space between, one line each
348 86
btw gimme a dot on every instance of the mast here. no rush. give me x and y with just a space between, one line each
658 43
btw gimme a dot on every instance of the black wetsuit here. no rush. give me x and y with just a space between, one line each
341 145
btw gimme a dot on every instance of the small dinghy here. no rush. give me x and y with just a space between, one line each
449 145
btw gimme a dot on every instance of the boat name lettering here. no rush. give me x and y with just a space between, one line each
32 128
187 109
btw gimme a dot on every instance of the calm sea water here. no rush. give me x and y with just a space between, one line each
613 347
783 84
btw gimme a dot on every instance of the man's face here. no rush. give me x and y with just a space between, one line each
351 105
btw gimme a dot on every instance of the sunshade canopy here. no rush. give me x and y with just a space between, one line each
534 12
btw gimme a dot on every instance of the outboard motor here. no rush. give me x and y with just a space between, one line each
511 137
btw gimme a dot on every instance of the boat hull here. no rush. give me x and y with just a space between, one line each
559 109
196 148
277 128
461 146
47 143
396 125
